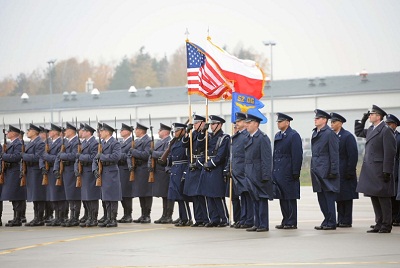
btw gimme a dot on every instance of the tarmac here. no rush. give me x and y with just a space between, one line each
155 245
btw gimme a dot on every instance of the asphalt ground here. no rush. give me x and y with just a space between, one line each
154 245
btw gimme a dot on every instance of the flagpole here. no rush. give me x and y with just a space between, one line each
206 146
231 179
190 110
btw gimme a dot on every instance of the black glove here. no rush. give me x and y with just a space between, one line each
22 154
208 166
205 128
332 176
189 127
97 157
45 171
76 173
56 174
296 176
150 169
227 175
96 174
78 155
348 176
151 151
386 176
365 117
192 166
161 162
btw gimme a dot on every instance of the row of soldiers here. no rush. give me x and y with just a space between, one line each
242 166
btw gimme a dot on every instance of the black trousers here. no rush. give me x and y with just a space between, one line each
383 212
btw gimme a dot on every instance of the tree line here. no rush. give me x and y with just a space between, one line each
140 70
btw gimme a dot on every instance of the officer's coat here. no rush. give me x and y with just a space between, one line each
34 188
212 183
348 157
11 189
89 190
324 160
124 172
239 140
54 193
141 185
68 176
161 177
111 184
192 178
177 160
258 166
380 150
287 157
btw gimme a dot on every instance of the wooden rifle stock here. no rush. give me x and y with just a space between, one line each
153 163
164 156
3 165
99 165
132 172
61 170
45 180
23 167
79 177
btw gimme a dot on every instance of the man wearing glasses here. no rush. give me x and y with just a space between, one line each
376 180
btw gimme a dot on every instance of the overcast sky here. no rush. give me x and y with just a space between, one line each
313 38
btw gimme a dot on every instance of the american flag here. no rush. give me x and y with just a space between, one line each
204 76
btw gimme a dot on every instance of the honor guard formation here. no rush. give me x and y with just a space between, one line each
196 165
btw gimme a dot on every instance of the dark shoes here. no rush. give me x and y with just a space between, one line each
325 228
343 225
286 227
243 226
381 231
197 224
211 224
125 219
184 223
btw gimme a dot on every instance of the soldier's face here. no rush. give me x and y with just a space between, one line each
392 125
252 126
12 135
320 122
336 125
283 125
240 125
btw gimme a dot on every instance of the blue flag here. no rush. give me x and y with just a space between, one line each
248 105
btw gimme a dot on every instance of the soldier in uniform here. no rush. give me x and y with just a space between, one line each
36 192
48 212
72 193
191 185
348 157
90 193
178 161
1 189
393 122
325 168
23 215
240 188
141 186
212 181
111 184
55 194
287 160
12 191
258 170
81 139
376 180
124 173
161 175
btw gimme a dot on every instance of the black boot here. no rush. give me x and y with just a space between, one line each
113 220
15 215
35 218
139 220
104 218
93 219
16 221
164 213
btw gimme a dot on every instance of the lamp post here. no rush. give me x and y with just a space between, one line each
51 66
271 44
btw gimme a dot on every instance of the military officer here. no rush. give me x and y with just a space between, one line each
48 212
111 185
72 193
12 191
90 193
258 172
23 213
178 161
376 180
348 157
161 175
325 168
192 174
393 122
287 160
124 173
81 140
141 186
1 189
36 192
212 181
55 194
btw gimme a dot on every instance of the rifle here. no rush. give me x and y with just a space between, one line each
45 180
132 172
23 163
3 164
153 162
62 150
99 151
79 177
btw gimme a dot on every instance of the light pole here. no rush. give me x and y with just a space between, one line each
51 66
271 44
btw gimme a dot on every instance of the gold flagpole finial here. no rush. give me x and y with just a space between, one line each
187 35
